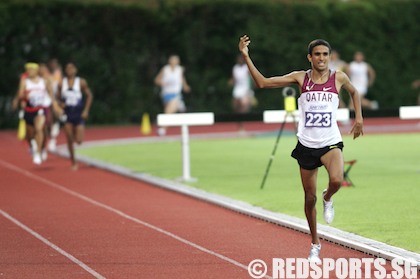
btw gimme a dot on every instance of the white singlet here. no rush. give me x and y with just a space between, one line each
36 93
172 80
242 80
318 104
359 76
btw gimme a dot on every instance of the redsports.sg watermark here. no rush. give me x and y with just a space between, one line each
351 268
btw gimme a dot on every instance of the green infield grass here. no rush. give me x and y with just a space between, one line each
384 204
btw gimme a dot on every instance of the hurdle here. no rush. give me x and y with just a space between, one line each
278 116
409 112
184 120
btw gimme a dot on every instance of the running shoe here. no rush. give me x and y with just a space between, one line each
44 155
161 131
314 253
34 146
328 209
55 130
37 160
52 145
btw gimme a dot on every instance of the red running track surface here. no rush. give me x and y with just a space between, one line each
59 223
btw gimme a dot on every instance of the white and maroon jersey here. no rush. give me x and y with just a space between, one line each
36 94
318 104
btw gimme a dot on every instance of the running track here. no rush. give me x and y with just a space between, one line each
57 223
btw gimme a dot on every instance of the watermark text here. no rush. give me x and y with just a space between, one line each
352 268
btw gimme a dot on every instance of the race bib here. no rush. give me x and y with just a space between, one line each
72 101
36 98
318 119
72 98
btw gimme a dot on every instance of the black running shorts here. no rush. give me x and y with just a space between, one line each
30 116
310 158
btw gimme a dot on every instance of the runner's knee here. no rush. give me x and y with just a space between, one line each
310 199
336 180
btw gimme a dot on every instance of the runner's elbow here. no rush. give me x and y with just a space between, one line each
261 84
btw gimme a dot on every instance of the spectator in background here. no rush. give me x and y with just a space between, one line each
76 108
337 64
416 85
362 75
172 81
242 91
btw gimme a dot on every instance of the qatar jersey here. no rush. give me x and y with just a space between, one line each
318 104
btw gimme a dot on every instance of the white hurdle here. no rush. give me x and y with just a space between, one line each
278 116
410 112
184 120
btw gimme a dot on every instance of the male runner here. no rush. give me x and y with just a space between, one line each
319 139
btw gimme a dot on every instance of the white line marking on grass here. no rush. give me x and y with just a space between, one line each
51 245
124 215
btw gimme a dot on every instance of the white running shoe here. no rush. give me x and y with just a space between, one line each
314 253
34 146
52 145
328 209
55 129
161 131
44 155
37 160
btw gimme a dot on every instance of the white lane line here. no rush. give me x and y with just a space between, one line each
122 214
51 245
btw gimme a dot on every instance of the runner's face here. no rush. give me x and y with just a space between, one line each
43 70
359 57
319 58
71 70
32 72
174 60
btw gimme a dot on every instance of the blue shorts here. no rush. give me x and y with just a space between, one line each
74 116
166 98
